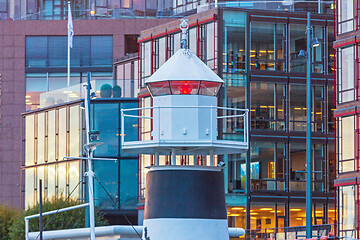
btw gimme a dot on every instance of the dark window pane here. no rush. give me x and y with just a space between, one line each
57 51
107 173
3 5
128 183
101 51
36 51
106 120
80 52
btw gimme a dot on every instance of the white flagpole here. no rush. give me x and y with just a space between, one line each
70 36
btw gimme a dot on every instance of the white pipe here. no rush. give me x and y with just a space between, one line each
91 174
26 229
57 211
89 153
68 63
123 231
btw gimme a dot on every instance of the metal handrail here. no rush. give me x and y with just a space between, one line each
27 218
244 115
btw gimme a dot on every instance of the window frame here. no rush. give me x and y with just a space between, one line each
340 78
339 23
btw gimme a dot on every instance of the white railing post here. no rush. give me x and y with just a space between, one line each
122 128
159 117
26 229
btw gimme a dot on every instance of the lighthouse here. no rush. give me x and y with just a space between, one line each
186 202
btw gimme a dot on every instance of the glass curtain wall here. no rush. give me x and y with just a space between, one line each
46 55
49 137
277 104
53 134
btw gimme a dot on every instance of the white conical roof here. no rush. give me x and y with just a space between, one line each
184 65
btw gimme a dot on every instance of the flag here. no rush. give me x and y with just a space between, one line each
70 28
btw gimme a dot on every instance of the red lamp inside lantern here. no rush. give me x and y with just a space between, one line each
185 87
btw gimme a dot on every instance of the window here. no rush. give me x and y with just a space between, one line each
298 108
51 51
107 172
346 74
106 120
345 15
346 213
237 172
267 46
346 144
298 48
235 57
3 5
267 106
267 166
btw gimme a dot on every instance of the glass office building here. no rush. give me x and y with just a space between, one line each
347 118
261 57
53 142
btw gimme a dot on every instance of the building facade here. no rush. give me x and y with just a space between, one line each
258 55
33 61
53 142
347 118
114 9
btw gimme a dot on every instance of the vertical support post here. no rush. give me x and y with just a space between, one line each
40 211
308 134
195 159
157 162
173 157
89 153
68 62
26 229
212 158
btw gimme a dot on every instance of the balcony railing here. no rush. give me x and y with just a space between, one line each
190 134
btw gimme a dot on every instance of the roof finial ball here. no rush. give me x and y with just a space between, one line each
184 26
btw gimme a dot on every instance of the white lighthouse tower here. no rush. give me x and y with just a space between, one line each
186 202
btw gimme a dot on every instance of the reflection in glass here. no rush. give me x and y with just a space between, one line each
106 121
346 211
41 138
74 178
29 187
107 173
29 140
61 179
346 74
62 133
51 135
346 144
74 135
128 183
345 16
